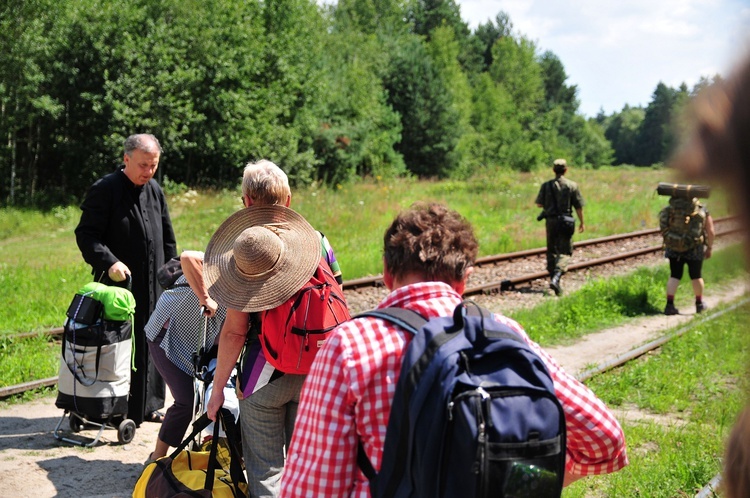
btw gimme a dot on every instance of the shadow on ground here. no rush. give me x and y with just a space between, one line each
94 476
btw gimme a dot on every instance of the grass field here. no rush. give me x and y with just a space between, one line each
676 407
41 267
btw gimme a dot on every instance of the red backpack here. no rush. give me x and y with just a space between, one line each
292 333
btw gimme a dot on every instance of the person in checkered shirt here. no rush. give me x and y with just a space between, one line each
429 254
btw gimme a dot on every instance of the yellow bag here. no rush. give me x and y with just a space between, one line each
196 473
223 452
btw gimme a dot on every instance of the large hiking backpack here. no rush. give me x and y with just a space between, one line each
474 413
682 224
293 333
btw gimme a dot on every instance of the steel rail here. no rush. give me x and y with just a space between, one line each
640 351
710 490
27 386
377 280
26 335
510 283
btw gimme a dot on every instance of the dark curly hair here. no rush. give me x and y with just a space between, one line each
432 241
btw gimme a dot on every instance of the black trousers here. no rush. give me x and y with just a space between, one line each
147 388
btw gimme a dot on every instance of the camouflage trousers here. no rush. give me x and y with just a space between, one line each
559 249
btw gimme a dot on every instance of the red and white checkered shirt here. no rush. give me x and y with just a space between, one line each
347 398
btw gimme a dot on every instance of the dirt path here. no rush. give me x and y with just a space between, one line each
36 465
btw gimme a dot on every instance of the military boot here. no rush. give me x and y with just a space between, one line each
555 282
670 309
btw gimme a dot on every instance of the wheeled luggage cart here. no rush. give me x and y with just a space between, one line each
94 375
202 377
204 365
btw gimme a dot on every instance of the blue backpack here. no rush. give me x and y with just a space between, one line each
474 413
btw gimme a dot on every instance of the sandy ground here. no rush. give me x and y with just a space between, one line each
33 463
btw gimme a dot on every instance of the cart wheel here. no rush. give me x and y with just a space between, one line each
75 423
126 431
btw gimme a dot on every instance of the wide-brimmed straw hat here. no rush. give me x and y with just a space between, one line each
259 257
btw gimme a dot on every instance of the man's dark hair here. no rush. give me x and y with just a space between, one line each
560 166
430 240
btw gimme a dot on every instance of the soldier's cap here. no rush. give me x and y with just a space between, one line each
559 165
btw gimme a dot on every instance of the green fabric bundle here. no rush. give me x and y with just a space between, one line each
118 302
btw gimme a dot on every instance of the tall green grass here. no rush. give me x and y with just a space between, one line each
27 359
41 266
697 385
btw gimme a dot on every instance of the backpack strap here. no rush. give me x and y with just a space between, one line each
409 320
473 309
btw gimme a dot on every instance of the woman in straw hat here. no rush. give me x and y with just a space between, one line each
258 258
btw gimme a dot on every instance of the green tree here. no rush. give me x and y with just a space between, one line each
444 50
515 67
29 30
493 121
517 73
678 121
556 92
370 16
622 132
654 134
358 129
417 91
484 38
427 15
592 145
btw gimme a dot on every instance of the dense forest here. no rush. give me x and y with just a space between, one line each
331 93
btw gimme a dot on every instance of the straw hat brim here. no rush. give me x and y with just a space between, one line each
296 264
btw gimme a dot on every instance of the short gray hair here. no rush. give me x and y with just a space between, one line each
265 183
142 141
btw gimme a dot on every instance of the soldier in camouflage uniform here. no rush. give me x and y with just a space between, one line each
557 198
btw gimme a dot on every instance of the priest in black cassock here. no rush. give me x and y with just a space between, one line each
125 229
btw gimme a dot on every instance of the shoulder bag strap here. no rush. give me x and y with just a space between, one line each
409 320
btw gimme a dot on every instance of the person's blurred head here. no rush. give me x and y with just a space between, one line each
716 146
265 183
429 242
560 166
736 478
141 158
